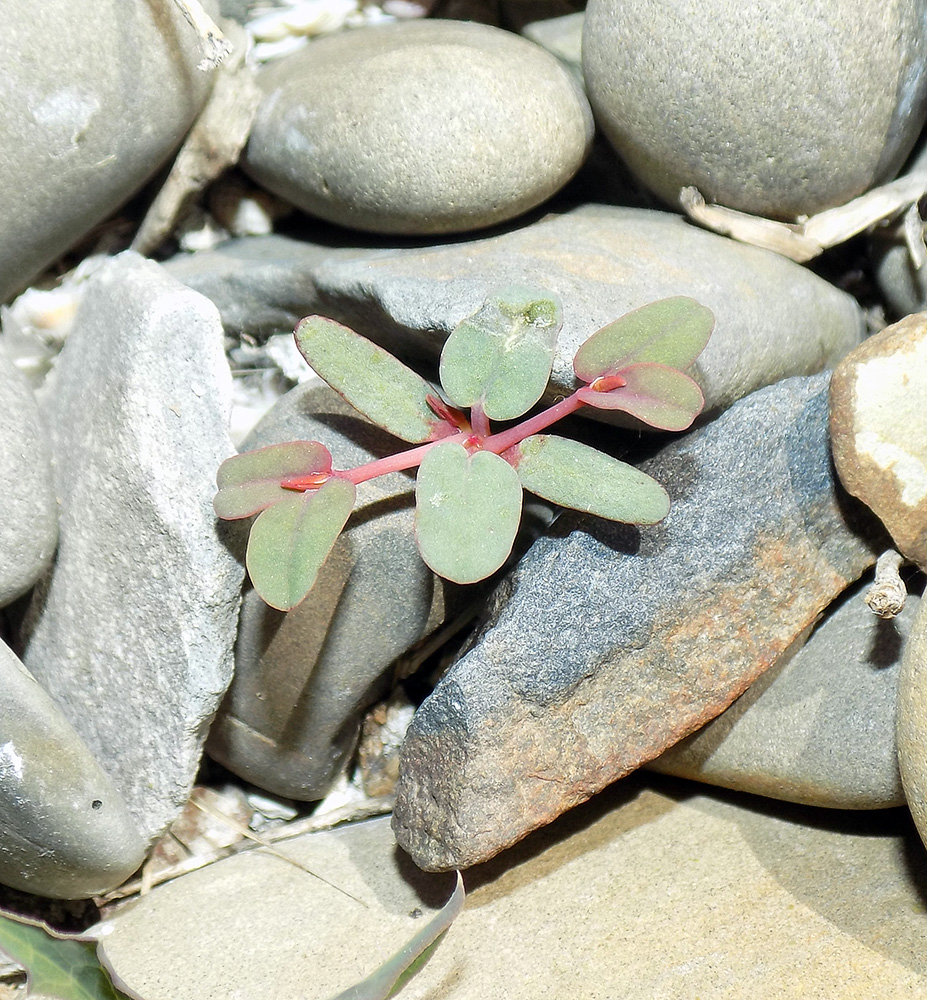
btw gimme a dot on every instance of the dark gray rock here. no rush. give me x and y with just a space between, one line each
304 678
419 127
132 631
29 521
819 726
94 97
64 829
752 109
773 318
261 285
611 643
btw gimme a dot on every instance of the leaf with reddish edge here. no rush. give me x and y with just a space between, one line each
467 511
371 379
574 475
290 541
669 332
250 482
499 359
663 397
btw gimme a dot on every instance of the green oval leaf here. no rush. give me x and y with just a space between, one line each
370 379
574 475
500 357
63 969
250 482
290 541
467 511
663 397
670 332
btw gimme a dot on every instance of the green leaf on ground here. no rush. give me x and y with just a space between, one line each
500 357
250 482
380 983
663 397
574 475
56 968
467 511
290 541
370 379
670 332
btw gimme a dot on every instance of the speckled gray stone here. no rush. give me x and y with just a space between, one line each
773 318
93 99
132 631
819 726
611 643
419 127
28 511
780 111
303 678
64 829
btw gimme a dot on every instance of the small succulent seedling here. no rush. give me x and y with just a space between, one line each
468 493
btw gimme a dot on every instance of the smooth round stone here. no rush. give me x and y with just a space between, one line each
64 829
912 721
419 127
94 97
29 522
780 111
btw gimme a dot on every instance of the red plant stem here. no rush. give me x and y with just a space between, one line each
496 443
479 422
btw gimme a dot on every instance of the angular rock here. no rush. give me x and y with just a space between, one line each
419 127
562 37
819 726
879 428
303 678
72 80
132 631
647 893
611 643
760 118
64 829
773 318
29 523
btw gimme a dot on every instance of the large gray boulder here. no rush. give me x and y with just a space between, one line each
132 631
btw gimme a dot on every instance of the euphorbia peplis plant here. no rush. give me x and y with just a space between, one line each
468 493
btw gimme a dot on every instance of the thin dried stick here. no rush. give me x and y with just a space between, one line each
888 593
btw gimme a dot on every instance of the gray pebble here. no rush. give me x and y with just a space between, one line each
419 127
783 111
95 97
65 830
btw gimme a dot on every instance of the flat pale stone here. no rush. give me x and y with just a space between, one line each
752 106
879 430
648 892
132 631
819 726
773 318
431 126
65 830
610 643
29 521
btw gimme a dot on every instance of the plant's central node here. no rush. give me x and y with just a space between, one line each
605 383
303 484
